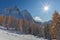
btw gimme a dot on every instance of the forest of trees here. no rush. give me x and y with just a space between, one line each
48 31
53 31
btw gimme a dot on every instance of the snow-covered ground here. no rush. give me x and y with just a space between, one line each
5 35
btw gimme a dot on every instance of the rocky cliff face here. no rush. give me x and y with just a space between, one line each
21 21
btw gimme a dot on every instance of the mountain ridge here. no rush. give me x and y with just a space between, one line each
21 21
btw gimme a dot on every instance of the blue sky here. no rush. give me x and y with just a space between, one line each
35 7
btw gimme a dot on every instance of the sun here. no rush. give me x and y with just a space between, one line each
46 8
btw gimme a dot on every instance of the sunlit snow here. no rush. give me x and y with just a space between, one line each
5 35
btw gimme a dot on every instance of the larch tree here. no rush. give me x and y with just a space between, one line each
54 26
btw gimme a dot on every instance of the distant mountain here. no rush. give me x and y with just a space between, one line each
22 21
26 15
37 22
47 22
50 22
14 12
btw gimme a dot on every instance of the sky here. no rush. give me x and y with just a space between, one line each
35 7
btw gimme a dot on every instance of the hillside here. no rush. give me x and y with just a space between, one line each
15 19
6 35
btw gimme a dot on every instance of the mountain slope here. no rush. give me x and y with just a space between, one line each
21 21
5 35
